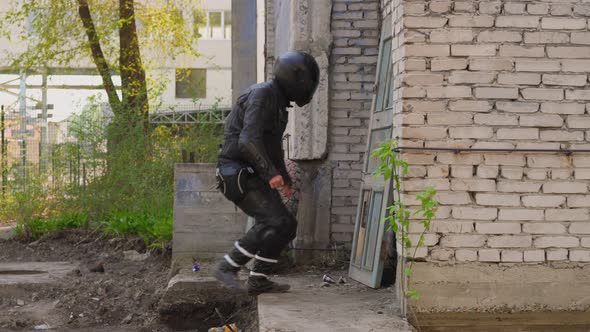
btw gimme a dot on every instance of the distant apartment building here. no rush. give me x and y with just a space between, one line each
190 82
206 79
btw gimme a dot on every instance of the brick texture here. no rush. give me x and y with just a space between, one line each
355 33
502 74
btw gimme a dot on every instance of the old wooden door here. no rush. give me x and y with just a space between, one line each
368 249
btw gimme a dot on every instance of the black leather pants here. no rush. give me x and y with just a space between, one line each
274 228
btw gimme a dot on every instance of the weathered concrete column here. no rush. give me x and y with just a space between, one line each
302 25
244 36
310 32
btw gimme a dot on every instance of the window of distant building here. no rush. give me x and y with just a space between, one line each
213 24
191 83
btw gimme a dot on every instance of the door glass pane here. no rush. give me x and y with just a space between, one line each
373 229
361 231
389 88
378 136
385 57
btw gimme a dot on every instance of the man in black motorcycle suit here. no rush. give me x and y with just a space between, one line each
251 168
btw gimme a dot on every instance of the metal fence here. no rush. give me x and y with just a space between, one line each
31 147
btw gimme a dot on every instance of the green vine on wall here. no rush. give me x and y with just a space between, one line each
398 216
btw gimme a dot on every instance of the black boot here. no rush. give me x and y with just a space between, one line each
228 275
258 285
227 270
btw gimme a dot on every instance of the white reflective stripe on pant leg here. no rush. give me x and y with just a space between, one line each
243 251
256 274
264 259
231 261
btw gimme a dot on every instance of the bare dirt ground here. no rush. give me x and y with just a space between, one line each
123 298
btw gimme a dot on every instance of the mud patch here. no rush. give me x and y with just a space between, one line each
127 296
124 296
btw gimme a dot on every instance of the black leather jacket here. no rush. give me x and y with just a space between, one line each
254 131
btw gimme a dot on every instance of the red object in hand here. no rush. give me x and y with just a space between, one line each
288 191
276 182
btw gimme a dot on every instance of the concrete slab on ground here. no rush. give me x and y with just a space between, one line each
7 232
309 307
33 272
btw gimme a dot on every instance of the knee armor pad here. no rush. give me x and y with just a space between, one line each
268 235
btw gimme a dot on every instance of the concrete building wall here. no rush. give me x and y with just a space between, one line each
215 57
484 74
503 75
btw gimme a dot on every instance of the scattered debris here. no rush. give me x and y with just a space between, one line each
76 273
225 328
137 296
34 243
325 284
341 280
196 268
328 279
135 256
20 302
42 327
99 268
127 319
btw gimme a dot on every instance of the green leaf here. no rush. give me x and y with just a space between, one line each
408 271
413 294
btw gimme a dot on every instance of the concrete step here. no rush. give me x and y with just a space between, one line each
196 300
19 280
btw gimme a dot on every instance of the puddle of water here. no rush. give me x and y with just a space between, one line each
517 322
21 272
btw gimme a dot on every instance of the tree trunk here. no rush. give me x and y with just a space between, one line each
98 56
133 77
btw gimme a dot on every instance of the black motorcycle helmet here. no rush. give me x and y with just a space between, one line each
298 74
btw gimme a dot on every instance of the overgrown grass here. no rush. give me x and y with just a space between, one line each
38 227
155 229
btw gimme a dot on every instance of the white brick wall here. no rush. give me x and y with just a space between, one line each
500 74
355 32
